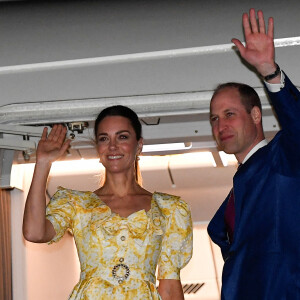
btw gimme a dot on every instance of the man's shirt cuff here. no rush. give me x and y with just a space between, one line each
276 87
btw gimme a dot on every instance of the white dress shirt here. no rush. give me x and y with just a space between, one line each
254 149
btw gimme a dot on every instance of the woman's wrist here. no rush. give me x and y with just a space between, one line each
43 164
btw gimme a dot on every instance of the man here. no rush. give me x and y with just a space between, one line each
258 225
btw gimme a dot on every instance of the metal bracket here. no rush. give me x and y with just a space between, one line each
16 137
78 126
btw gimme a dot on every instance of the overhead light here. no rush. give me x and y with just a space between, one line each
166 147
83 166
77 166
191 160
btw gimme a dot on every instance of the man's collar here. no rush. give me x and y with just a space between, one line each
254 149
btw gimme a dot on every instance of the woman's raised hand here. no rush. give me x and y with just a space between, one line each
52 146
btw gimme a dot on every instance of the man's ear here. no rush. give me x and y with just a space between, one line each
256 115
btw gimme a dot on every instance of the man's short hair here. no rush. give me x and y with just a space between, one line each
248 95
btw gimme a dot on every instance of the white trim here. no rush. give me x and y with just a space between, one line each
173 53
71 110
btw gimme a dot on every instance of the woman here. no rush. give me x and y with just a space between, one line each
122 231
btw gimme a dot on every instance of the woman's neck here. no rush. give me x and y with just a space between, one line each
120 185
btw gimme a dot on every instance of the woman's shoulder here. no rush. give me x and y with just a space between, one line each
168 203
71 192
164 197
85 198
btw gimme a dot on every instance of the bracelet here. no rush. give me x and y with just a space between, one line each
273 75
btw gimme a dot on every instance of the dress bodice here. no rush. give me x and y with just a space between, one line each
119 254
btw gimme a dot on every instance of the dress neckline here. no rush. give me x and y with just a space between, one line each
130 215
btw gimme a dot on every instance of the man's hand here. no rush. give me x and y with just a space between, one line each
259 47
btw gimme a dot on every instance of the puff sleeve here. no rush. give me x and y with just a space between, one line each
60 212
177 244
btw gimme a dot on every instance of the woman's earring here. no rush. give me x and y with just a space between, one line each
137 157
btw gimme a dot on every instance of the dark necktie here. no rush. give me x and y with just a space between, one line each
229 216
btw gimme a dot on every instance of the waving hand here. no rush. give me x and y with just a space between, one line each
259 42
53 146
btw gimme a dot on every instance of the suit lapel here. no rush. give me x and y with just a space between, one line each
242 182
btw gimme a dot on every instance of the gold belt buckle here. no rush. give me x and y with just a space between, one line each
116 268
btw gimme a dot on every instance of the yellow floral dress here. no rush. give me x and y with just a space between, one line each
119 256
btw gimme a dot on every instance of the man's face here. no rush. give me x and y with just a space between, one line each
234 130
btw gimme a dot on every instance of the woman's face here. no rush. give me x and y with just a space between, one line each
117 144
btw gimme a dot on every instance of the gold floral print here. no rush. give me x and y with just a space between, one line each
104 240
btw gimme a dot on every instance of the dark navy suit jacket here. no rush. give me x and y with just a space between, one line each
263 261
